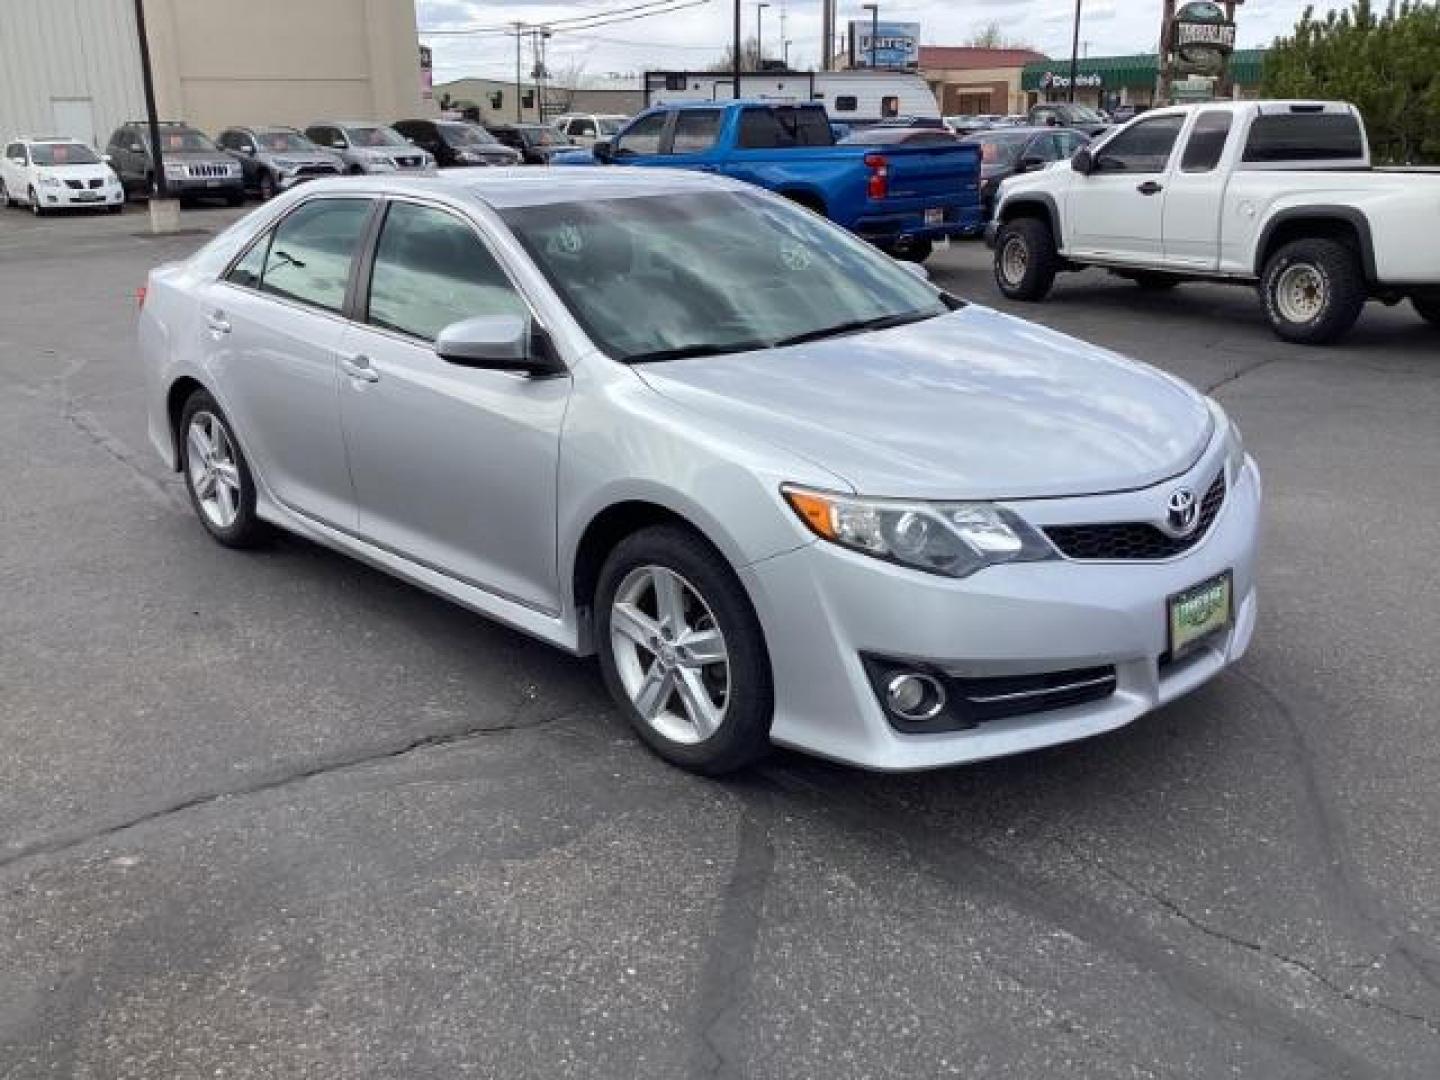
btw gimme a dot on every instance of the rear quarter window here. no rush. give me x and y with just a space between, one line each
1305 137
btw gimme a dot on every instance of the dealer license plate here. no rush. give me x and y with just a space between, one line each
935 216
1199 612
87 196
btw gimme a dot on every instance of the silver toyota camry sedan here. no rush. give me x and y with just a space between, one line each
790 492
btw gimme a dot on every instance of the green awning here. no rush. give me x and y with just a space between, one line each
1141 69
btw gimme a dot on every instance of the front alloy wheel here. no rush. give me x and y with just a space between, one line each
35 207
682 651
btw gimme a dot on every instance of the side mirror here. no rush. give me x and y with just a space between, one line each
603 151
1031 161
916 269
106 158
498 343
1083 162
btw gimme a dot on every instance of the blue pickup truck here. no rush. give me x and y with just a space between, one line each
901 198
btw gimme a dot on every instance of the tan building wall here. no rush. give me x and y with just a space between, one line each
960 91
72 66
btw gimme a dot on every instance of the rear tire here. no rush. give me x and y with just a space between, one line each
235 200
641 647
1026 261
1313 291
913 250
221 486
1427 306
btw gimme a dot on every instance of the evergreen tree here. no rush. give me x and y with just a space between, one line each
1387 64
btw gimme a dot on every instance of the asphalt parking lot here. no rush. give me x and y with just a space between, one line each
277 815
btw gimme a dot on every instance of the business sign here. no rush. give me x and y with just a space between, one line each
1202 37
427 77
1085 80
895 45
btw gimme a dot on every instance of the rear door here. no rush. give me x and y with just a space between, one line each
1195 193
455 467
1117 212
271 329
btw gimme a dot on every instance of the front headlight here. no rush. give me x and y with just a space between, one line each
953 539
47 180
174 170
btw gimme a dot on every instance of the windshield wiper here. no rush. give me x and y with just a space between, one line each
684 351
857 326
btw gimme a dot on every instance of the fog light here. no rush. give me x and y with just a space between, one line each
913 696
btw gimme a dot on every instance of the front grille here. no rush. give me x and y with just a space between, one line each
208 170
75 185
316 170
1135 541
98 181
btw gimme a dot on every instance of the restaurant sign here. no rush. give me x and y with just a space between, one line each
1203 37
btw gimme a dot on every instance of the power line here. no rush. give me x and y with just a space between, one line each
649 7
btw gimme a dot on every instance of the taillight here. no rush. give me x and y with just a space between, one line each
140 297
879 184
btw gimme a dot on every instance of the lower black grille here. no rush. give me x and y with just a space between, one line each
316 170
409 162
97 181
1129 541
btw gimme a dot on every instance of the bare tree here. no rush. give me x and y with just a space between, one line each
749 58
993 36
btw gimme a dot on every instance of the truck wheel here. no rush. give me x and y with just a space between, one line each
1313 291
912 249
1025 259
1428 306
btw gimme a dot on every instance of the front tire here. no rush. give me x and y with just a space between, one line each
1313 291
1427 306
267 187
222 489
682 651
1026 261
5 199
35 207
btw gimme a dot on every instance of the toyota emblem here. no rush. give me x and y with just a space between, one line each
1182 511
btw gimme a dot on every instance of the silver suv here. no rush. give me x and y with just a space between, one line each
367 147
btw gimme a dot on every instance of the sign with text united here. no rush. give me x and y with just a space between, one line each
895 45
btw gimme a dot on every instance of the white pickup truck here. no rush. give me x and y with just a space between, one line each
1279 194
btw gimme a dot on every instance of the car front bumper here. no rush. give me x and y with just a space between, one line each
824 608
67 198
218 187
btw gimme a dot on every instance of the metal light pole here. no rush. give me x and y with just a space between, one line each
760 35
1075 53
152 117
737 65
519 115
874 10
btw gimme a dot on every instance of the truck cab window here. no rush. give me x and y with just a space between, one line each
1207 142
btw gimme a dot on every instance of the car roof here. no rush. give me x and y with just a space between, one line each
1026 129
507 187
47 139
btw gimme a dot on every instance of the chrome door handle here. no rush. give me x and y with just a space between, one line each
217 322
358 367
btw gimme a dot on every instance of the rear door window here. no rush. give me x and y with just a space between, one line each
311 252
1207 142
695 131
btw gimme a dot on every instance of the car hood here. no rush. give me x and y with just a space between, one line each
298 157
970 405
198 157
77 172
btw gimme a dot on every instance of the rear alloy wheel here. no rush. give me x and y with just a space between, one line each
217 476
1025 259
1313 291
682 651
1427 305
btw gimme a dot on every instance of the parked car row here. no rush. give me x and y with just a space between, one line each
50 172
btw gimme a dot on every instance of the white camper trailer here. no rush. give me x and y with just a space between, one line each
850 97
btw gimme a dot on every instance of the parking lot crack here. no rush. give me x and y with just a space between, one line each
1293 963
63 843
1240 373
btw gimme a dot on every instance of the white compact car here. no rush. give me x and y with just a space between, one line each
54 173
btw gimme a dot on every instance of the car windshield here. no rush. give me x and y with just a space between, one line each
608 126
63 154
999 149
374 136
541 136
466 135
184 139
284 140
712 273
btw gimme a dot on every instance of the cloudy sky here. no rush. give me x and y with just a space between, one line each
696 36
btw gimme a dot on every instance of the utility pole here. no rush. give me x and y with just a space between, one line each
1164 82
760 35
163 215
874 10
738 64
519 30
1075 53
827 34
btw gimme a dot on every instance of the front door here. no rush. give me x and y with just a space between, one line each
454 467
273 328
1117 212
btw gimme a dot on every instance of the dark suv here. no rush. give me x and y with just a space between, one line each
454 142
275 159
537 142
194 167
